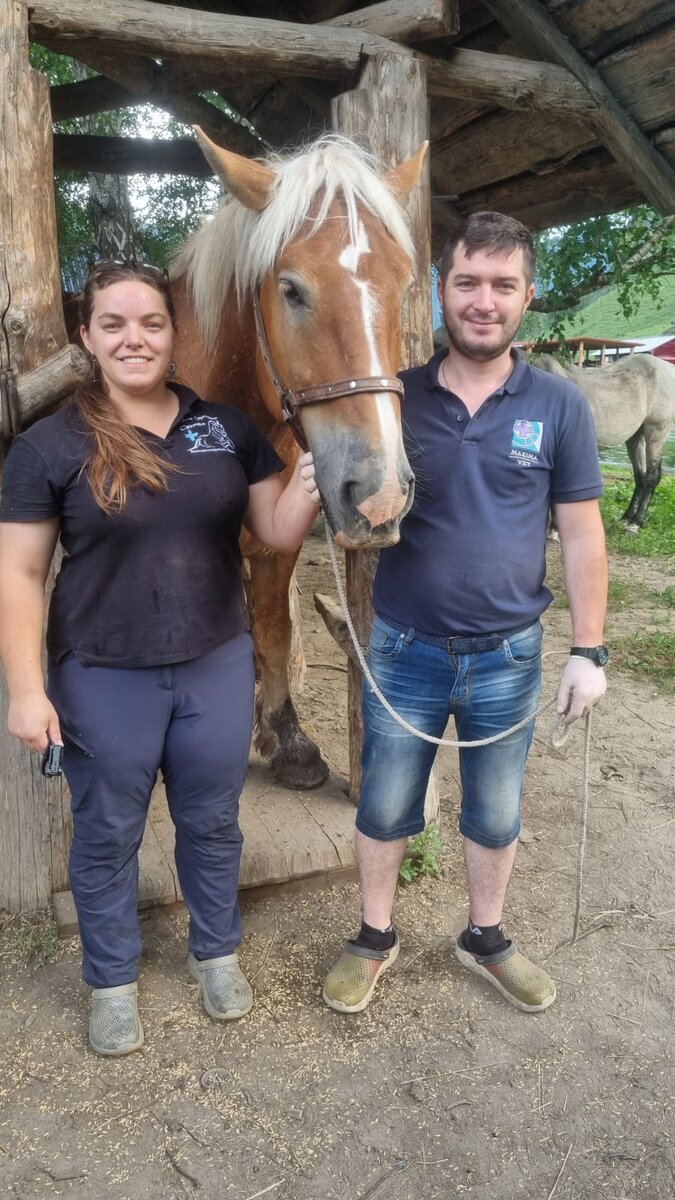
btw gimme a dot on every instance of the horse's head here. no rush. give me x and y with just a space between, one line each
322 240
548 362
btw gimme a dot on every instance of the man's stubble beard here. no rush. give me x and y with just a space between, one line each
479 350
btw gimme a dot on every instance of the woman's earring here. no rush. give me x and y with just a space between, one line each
171 369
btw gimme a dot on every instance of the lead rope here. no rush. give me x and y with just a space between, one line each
558 735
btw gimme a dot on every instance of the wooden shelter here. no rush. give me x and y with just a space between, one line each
549 111
587 351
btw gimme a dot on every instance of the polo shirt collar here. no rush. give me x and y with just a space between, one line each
186 400
518 380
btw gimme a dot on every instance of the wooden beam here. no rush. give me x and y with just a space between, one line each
33 857
129 156
535 30
61 375
404 20
143 81
499 79
281 48
88 96
389 111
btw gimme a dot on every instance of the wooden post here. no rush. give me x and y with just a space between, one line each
388 112
33 813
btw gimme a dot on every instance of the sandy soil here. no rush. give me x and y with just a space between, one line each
439 1089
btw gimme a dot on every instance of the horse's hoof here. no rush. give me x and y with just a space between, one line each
632 528
302 775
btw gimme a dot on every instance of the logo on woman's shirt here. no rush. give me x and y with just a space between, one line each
207 434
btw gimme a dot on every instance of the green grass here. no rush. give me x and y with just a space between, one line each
37 944
665 599
601 317
421 856
657 537
650 657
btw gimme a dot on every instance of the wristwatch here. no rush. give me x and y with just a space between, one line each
597 654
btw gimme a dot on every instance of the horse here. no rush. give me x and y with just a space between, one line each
632 401
288 305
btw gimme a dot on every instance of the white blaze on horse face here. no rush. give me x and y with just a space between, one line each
389 500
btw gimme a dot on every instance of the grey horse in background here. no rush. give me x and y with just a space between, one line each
632 401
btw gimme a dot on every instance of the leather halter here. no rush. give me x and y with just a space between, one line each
292 399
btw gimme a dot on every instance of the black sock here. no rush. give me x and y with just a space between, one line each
375 939
484 939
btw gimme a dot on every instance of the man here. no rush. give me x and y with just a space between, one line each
494 443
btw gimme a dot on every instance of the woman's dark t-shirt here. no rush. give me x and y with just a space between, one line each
159 582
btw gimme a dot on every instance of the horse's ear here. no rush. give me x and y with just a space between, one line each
402 179
249 181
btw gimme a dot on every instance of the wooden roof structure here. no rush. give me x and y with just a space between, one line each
550 110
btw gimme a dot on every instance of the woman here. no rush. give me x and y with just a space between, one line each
150 660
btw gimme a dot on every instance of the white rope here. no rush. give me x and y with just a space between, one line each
558 735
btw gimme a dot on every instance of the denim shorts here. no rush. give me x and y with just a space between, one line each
486 692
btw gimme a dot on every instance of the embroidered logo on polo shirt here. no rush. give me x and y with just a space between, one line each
526 441
207 434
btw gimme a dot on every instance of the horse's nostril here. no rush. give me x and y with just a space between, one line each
349 494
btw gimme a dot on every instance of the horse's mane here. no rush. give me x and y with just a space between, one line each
238 246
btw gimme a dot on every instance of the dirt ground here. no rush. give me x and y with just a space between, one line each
439 1089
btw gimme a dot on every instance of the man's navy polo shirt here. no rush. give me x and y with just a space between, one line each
471 558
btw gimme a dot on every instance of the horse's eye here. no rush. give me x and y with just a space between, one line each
291 294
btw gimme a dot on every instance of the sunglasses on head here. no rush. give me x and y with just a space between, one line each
133 264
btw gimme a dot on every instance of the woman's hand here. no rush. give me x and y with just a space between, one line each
306 467
33 719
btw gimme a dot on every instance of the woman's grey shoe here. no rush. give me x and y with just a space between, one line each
114 1025
226 991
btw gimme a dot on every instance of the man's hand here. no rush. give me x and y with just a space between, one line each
581 686
34 719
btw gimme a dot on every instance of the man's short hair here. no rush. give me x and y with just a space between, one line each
491 231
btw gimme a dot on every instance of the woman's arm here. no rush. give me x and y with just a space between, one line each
279 516
26 551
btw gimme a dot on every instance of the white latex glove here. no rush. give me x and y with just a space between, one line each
306 467
581 686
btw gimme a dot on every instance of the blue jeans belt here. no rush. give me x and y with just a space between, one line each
463 643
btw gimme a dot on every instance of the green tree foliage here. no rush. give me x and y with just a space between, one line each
634 249
166 208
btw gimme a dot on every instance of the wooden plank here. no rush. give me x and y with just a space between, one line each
278 47
499 79
404 20
642 77
504 146
287 835
158 881
281 48
592 183
538 34
598 28
301 842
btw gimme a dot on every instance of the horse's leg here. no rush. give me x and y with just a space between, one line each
637 453
296 761
655 435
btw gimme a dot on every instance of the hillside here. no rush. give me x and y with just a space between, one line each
600 316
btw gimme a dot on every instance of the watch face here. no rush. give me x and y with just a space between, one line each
602 656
